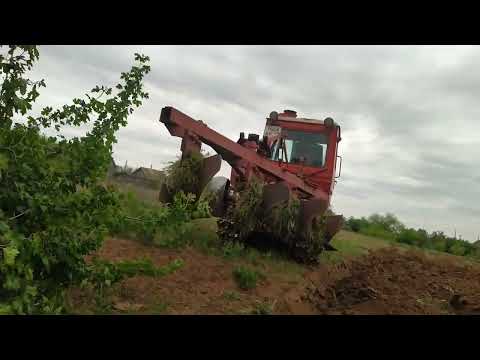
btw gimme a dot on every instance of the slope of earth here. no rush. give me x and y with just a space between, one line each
203 285
366 276
391 281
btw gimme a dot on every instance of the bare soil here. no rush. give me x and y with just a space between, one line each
386 281
390 281
204 285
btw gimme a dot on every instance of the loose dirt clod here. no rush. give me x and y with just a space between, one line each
388 281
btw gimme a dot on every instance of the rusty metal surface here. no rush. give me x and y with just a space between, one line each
333 226
177 123
274 194
210 167
309 209
164 196
190 144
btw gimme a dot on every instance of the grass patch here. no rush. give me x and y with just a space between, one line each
146 267
350 244
104 273
233 250
164 225
231 295
287 269
263 308
202 235
247 278
174 237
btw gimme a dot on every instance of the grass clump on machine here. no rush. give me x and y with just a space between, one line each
279 190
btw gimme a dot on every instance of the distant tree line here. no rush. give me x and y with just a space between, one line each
390 228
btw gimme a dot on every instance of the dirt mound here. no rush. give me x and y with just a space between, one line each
389 281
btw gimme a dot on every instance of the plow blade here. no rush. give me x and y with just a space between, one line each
165 195
274 194
309 209
219 206
333 226
210 166
306 248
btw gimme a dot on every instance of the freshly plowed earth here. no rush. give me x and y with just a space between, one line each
386 281
389 281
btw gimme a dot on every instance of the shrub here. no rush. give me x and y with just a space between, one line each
52 204
387 222
390 228
233 249
411 237
263 308
439 244
458 249
246 278
182 174
377 230
161 224
356 225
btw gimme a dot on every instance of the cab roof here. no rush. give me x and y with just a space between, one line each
291 116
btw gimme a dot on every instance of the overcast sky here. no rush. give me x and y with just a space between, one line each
409 114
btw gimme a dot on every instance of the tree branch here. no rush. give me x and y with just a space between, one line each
142 220
17 216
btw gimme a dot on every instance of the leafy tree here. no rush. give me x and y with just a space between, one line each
356 225
439 241
389 227
458 249
53 208
388 222
411 237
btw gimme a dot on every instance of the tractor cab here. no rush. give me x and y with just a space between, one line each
305 147
309 149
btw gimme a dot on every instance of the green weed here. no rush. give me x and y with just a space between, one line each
233 250
231 295
263 308
247 278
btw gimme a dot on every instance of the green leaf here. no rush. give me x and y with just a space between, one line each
3 161
5 309
12 282
9 255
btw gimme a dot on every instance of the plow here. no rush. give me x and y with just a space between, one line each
280 185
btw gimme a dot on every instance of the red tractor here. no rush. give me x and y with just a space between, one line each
295 159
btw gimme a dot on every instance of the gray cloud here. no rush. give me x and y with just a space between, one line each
408 113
